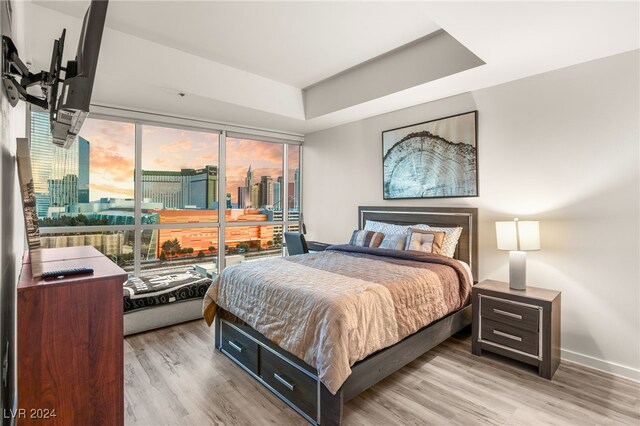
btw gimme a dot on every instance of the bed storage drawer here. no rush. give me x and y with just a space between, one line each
291 383
509 336
511 313
240 347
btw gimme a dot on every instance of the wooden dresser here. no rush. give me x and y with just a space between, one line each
70 341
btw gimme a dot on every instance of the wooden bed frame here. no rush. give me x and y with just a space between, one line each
314 401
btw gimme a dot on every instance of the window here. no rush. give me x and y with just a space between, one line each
255 187
178 249
91 183
116 245
254 179
179 175
86 195
293 193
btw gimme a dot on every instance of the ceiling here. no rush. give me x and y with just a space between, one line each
257 63
295 43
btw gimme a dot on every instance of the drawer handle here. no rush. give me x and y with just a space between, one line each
508 314
507 335
235 346
282 380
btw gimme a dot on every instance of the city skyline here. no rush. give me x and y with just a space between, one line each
109 171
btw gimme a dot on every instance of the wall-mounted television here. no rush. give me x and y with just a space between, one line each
69 106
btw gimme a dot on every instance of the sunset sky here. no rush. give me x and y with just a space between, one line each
112 156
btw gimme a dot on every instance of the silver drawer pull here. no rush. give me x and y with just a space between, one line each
507 335
235 346
509 314
282 380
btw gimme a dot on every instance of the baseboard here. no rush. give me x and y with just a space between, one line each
601 365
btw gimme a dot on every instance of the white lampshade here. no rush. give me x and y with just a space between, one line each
518 235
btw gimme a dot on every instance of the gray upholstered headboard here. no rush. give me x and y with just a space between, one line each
467 218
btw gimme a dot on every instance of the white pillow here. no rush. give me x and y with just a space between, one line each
385 228
452 235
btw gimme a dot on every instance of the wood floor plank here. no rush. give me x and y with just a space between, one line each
174 376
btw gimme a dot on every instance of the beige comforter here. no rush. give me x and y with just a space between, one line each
334 308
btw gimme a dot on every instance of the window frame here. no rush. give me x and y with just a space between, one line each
140 119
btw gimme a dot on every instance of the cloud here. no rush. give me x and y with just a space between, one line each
111 165
108 190
113 147
177 146
115 136
260 154
175 149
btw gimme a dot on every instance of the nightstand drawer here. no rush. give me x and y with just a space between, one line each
510 336
510 313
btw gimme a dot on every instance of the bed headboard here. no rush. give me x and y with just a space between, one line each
467 218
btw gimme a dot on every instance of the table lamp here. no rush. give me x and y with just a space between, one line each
518 237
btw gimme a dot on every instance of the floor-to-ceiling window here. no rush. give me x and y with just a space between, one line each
253 215
179 199
150 196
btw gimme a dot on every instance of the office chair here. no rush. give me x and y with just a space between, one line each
296 244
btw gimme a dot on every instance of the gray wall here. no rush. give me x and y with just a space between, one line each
562 148
12 125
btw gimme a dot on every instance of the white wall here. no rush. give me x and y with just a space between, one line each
12 125
561 147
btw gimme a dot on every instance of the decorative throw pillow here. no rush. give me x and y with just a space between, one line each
394 241
450 240
365 238
427 241
385 228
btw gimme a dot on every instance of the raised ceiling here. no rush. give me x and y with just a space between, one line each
249 63
294 43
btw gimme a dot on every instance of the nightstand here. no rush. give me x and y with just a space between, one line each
520 324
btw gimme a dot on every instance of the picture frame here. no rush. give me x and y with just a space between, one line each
432 159
32 227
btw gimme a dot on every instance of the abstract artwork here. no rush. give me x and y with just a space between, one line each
25 178
434 159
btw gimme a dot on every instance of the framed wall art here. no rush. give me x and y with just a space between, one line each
434 159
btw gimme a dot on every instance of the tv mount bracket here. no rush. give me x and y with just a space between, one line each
13 68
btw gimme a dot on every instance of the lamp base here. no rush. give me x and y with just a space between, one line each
518 270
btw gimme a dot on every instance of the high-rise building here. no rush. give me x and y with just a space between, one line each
248 180
188 188
296 190
63 192
200 187
244 197
277 196
255 196
84 153
42 204
52 163
266 191
163 187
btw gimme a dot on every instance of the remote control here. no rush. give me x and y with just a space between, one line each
66 272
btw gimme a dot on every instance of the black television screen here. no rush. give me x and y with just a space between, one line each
69 108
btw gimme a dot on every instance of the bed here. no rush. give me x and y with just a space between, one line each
338 347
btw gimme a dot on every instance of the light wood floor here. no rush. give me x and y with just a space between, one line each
173 376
